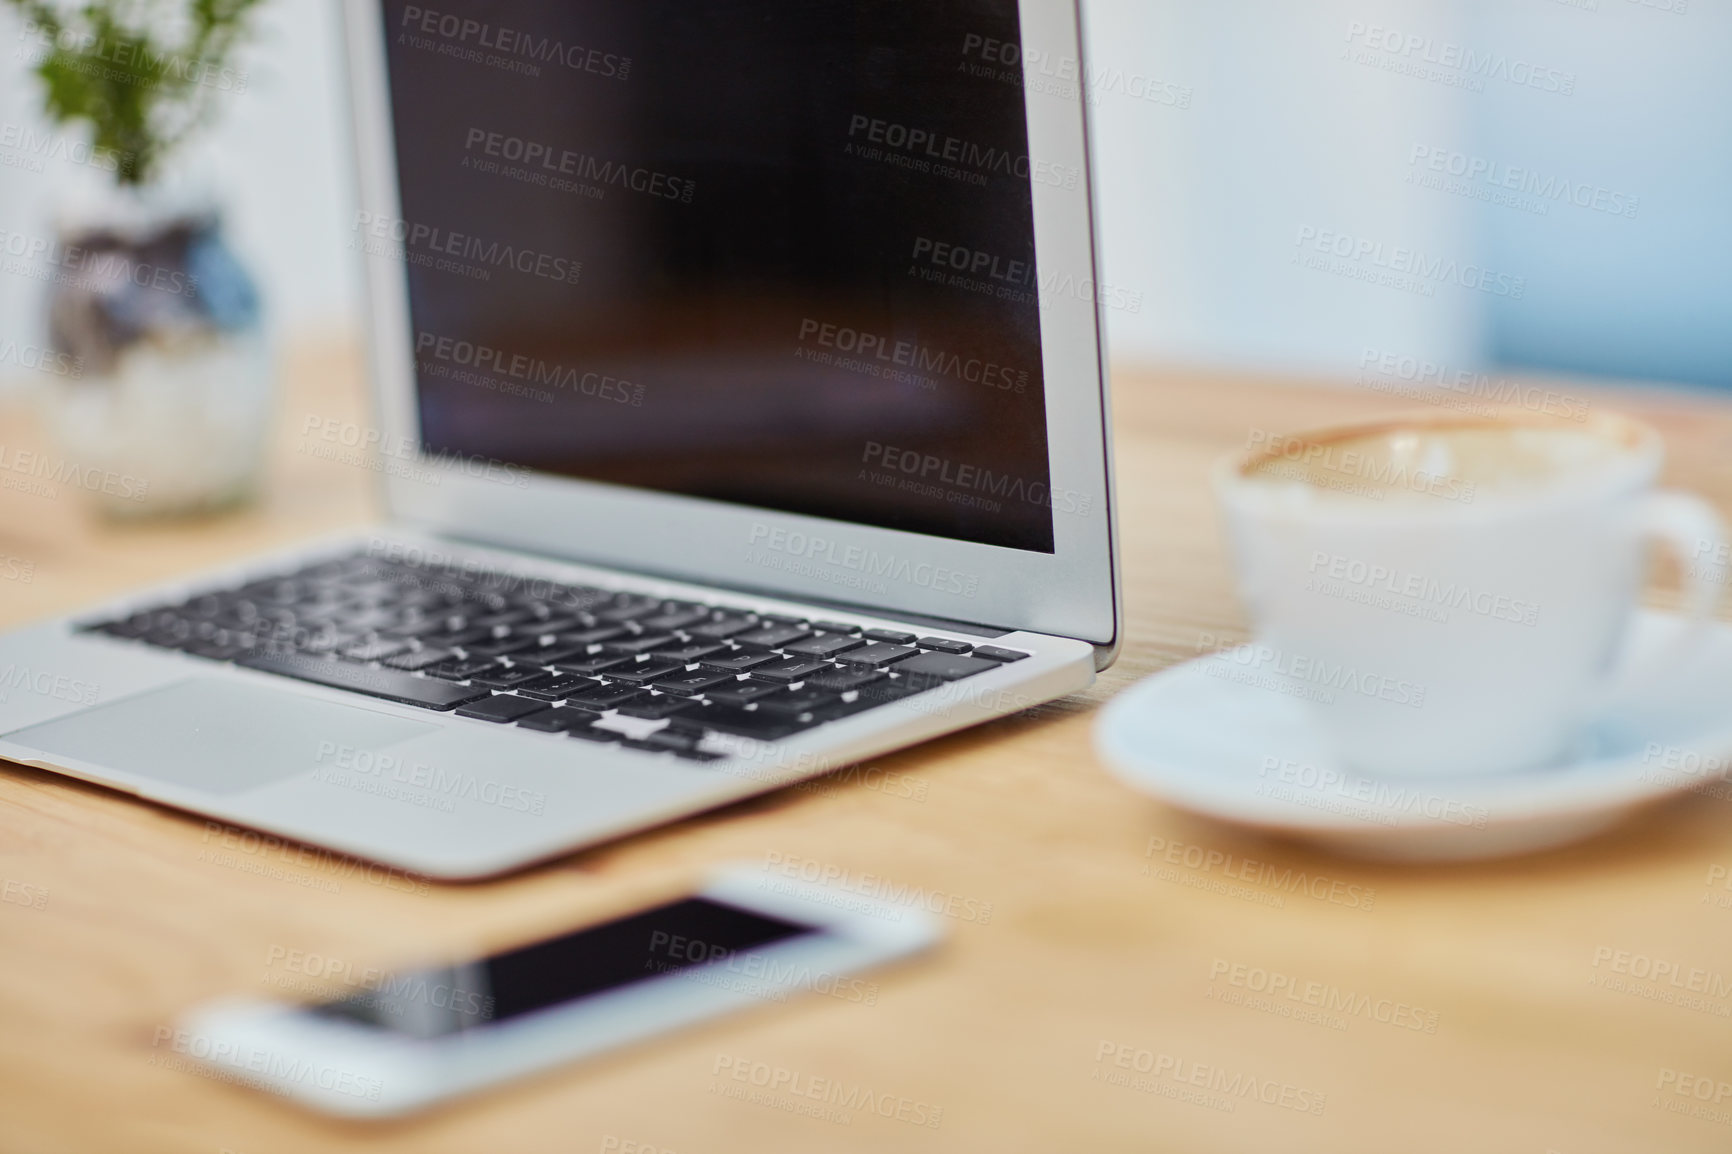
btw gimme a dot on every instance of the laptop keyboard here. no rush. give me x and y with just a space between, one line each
646 673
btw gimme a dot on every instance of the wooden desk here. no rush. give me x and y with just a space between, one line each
1470 1013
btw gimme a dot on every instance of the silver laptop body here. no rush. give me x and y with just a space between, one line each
651 546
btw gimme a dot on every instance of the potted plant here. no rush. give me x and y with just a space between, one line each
171 409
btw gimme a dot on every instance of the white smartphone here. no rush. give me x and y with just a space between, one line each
409 1040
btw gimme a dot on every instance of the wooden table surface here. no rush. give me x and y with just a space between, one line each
1085 998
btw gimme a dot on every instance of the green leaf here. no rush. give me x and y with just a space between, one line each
107 64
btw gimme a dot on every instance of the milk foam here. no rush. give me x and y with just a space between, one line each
1454 462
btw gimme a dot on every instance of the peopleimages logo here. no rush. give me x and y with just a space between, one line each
135 62
973 261
1483 178
1396 266
931 148
912 355
869 562
33 147
1430 59
542 162
534 370
60 687
1398 369
926 467
460 32
438 243
99 269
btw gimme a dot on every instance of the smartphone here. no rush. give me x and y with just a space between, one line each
406 1041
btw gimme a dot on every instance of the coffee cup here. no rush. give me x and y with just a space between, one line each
1452 594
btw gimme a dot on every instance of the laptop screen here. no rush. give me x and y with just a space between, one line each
777 253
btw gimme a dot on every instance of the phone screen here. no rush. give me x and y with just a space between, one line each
448 1000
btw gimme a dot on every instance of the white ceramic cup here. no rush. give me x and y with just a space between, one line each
1452 626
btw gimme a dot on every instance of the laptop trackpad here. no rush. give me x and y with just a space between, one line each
218 736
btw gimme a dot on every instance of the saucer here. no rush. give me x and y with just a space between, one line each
1250 755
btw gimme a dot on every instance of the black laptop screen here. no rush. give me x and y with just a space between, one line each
772 252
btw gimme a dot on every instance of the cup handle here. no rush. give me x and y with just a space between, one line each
1691 528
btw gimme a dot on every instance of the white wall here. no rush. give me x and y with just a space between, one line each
1202 204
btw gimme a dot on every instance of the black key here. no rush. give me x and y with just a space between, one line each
721 630
791 669
745 692
234 621
655 708
690 684
879 656
277 590
944 666
456 637
686 654
128 627
170 636
416 628
642 672
419 659
835 627
501 708
541 626
372 588
373 650
460 669
778 619
606 696
796 702
892 689
508 678
206 605
558 720
772 637
327 640
405 688
872 696
944 645
629 609
495 620
738 722
502 647
551 654
664 741
593 733
678 619
208 630
361 620
593 636
889 636
738 662
218 650
993 654
823 645
591 666
641 643
842 680
556 686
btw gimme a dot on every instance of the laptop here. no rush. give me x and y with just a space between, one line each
741 416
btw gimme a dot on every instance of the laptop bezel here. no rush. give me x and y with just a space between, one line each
1071 592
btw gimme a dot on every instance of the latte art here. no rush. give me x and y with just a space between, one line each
1457 462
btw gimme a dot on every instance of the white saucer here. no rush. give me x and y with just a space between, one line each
1253 756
